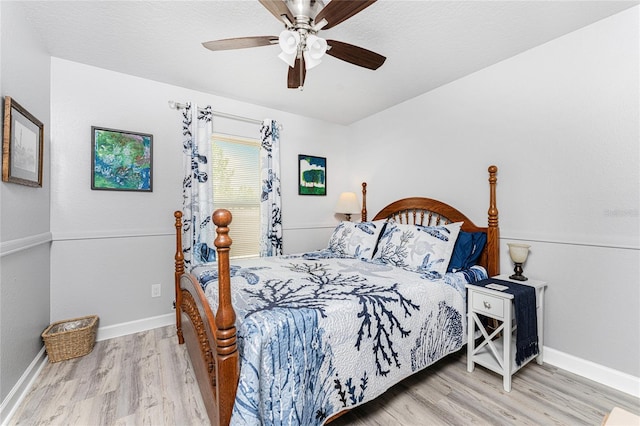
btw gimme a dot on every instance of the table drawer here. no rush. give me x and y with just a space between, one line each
487 304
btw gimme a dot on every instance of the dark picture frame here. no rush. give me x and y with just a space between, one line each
22 145
312 175
121 160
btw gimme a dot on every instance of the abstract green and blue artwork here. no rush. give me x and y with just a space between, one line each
312 173
121 160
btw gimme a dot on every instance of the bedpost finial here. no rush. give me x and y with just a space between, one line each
177 214
493 169
221 217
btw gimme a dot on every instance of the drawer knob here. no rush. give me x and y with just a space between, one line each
487 305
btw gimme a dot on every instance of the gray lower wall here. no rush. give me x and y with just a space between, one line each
591 302
115 283
24 312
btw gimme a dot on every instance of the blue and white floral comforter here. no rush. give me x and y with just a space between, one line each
318 334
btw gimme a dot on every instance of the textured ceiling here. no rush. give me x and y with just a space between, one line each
427 44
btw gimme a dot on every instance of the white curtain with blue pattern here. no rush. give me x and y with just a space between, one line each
198 231
270 204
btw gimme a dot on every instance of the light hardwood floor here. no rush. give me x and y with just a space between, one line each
146 379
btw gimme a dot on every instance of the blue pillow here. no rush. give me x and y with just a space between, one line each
467 250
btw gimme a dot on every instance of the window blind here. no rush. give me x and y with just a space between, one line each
236 187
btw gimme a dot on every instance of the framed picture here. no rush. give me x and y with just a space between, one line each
22 145
312 175
121 160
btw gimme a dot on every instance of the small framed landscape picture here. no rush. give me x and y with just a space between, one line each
22 145
121 160
312 175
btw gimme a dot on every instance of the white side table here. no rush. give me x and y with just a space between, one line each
496 351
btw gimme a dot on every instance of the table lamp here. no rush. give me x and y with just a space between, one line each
518 253
348 204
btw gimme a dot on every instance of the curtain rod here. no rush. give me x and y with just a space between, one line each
177 105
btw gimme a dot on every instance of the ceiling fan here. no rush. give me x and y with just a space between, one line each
301 48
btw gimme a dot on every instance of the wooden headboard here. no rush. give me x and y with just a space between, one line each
430 212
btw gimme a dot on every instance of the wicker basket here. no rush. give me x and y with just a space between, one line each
70 338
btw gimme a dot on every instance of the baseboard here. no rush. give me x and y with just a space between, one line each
598 373
19 391
137 326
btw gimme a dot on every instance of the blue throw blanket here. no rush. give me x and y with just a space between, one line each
524 300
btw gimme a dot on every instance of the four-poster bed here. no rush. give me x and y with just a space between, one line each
215 345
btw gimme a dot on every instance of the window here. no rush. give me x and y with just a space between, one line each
236 187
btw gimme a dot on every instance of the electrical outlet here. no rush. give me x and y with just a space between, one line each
156 290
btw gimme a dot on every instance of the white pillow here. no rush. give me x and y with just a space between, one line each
418 248
356 239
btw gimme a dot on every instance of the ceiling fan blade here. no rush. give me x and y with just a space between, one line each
355 55
297 74
277 9
240 42
341 10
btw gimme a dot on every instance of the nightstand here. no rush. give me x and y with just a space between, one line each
496 351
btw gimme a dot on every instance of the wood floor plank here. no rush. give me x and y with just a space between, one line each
178 382
147 379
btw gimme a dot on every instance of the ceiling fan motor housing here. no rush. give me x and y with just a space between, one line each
304 10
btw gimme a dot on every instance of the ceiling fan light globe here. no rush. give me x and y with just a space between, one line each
316 46
288 41
310 61
289 58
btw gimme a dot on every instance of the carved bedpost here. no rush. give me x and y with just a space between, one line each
364 202
493 233
179 270
227 369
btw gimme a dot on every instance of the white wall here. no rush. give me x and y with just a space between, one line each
24 211
109 246
562 123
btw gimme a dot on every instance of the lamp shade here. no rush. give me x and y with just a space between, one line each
316 48
518 252
289 58
310 61
289 41
348 203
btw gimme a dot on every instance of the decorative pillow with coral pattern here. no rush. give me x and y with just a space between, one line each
425 249
356 239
